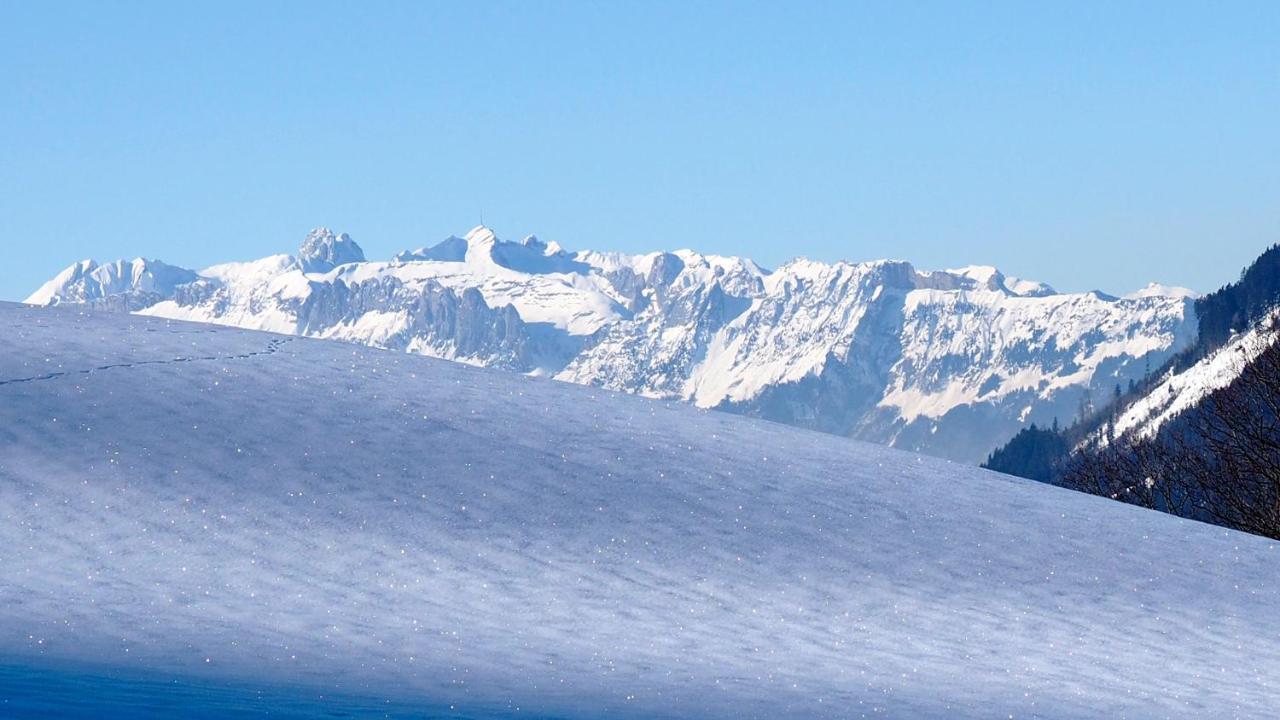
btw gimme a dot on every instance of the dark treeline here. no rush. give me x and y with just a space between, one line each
1241 304
1218 462
1033 453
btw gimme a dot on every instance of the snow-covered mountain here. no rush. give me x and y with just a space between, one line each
950 363
129 285
203 522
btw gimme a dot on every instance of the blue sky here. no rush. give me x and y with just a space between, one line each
1089 146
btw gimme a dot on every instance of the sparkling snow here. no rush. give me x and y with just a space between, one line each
208 513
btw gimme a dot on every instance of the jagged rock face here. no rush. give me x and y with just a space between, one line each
433 320
950 363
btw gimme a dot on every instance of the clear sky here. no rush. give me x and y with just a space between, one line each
1088 145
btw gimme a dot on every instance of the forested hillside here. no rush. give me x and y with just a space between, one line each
1200 436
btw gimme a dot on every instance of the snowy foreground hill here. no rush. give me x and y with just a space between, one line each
951 363
198 520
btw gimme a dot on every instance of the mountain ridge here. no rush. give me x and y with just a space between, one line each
949 362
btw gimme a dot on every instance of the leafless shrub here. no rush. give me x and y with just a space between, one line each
1219 462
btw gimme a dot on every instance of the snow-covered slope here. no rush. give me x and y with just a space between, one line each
949 362
1181 390
255 522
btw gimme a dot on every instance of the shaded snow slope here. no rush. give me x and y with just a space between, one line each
951 363
239 507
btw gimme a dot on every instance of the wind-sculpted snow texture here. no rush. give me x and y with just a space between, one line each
949 363
227 522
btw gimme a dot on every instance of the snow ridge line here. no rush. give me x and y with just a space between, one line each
272 346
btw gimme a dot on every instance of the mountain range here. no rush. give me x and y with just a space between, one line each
950 363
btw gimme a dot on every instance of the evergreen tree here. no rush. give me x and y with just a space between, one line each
1033 453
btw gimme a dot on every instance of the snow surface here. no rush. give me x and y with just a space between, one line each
292 523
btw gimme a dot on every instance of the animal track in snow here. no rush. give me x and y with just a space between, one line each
272 346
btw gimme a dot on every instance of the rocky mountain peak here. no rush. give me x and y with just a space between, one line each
322 251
